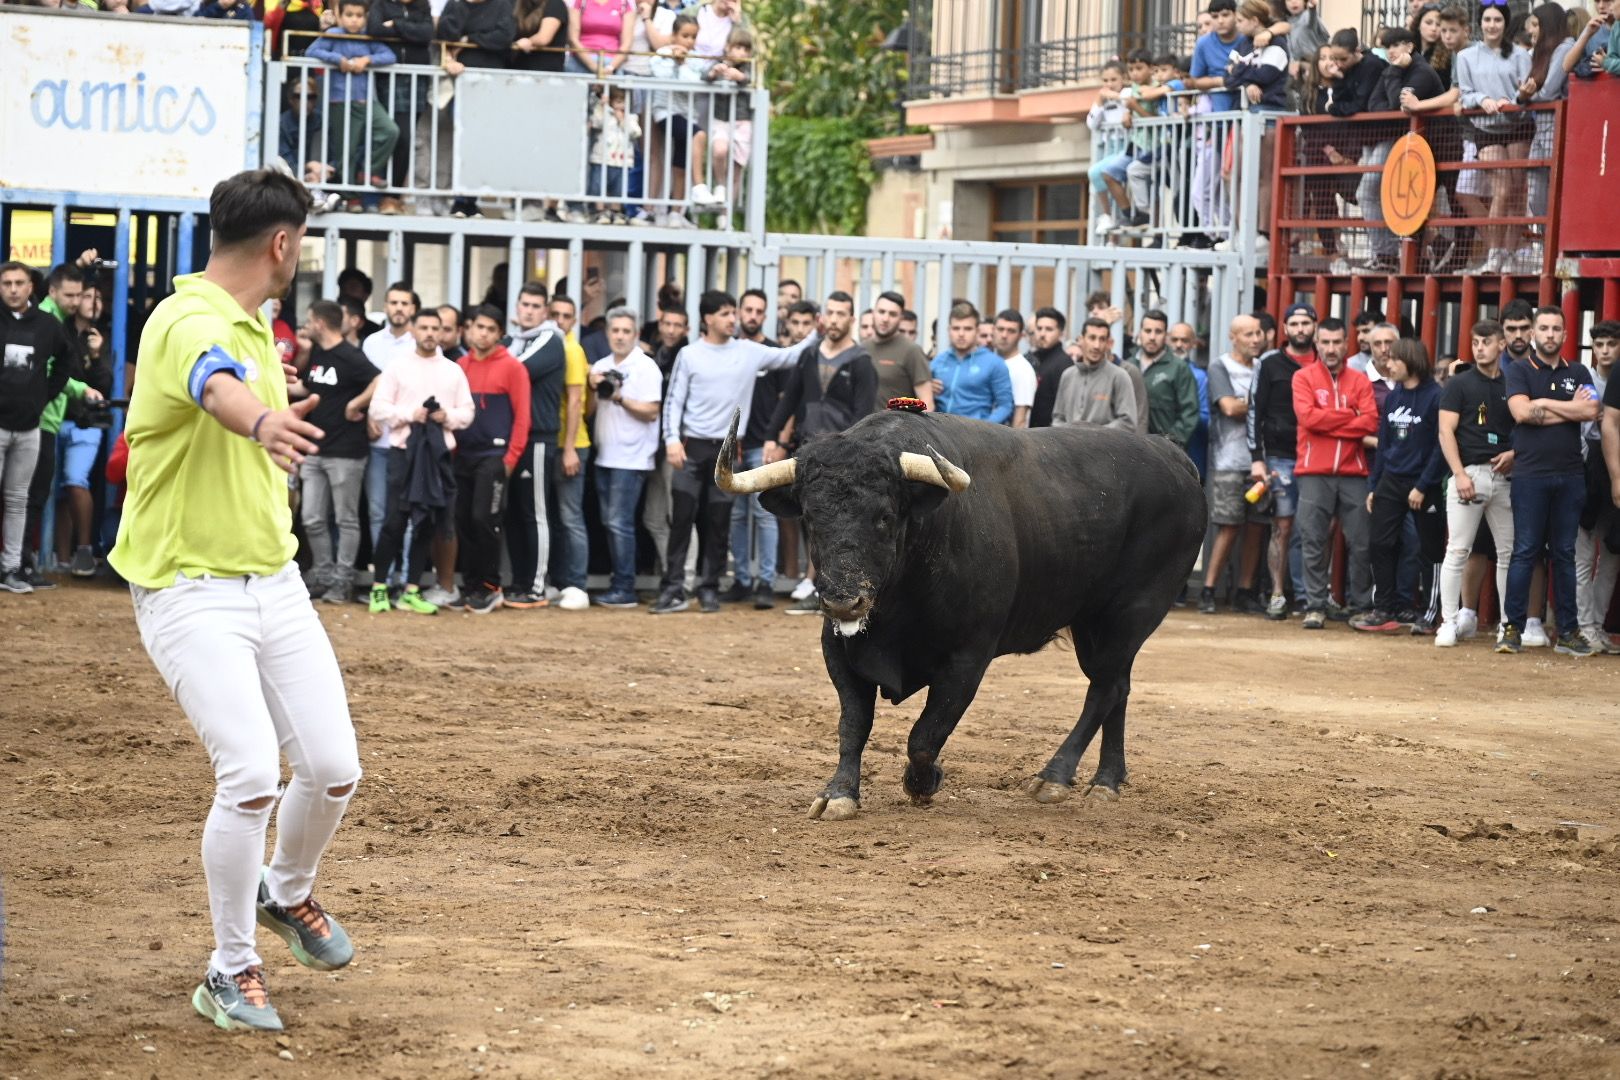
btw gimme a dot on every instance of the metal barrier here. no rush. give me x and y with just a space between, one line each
620 150
1492 213
1188 180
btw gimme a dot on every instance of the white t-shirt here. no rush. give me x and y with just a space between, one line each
641 64
1023 380
382 349
622 441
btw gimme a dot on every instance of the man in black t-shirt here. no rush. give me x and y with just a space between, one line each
1476 437
334 479
1550 398
1050 360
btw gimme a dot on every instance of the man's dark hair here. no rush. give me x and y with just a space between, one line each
438 313
670 294
1011 315
1346 39
1369 317
1093 321
961 309
351 306
894 298
804 307
1216 6
755 292
1550 310
673 309
1331 325
452 309
484 311
785 282
61 273
1099 299
535 288
1157 316
1268 325
357 276
1054 314
327 314
1397 35
405 287
252 203
564 298
843 298
1489 328
712 302
1518 310
908 316
1605 330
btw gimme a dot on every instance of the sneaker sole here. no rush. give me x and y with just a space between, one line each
290 936
485 610
621 606
1564 650
1507 649
526 605
203 1002
682 606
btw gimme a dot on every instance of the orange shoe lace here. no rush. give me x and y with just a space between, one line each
252 985
312 916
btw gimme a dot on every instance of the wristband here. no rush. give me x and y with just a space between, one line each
255 433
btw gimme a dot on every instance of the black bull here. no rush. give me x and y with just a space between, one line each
926 577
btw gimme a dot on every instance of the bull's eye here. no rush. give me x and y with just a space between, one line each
885 522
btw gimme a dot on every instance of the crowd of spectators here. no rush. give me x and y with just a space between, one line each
1407 476
1478 70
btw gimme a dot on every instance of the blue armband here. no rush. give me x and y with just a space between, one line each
209 364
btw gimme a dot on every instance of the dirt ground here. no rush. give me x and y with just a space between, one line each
581 850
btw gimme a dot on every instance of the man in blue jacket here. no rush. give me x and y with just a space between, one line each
970 380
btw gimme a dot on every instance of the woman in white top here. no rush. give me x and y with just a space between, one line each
1490 73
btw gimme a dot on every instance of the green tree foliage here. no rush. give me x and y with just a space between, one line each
832 87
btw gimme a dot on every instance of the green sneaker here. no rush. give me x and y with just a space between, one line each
239 1002
379 600
411 600
315 938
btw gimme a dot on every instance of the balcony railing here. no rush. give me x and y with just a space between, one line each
980 47
527 138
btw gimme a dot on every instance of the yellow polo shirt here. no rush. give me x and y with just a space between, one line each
201 499
576 372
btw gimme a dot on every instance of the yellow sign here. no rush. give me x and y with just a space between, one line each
1407 191
31 237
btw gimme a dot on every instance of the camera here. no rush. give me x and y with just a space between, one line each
612 382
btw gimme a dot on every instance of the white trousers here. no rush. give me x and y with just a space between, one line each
1495 505
250 664
1596 568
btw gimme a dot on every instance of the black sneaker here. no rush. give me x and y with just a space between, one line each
1573 644
1509 641
484 601
764 598
736 594
1248 602
1181 598
1206 601
708 601
13 581
669 602
36 578
810 605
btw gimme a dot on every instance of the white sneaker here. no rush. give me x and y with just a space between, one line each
1534 636
678 220
1446 636
439 597
1600 641
719 195
701 195
1467 623
572 599
803 589
1105 223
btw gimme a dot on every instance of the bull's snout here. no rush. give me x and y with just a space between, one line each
846 609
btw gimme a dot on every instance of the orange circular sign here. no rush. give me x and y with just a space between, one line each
1407 191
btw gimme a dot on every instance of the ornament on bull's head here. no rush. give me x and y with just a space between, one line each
931 468
908 404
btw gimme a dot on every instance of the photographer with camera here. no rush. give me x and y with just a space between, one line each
629 390
78 440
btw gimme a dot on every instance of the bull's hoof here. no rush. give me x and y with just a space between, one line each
921 800
1102 793
921 784
840 809
1043 790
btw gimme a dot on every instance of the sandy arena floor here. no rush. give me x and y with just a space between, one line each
581 850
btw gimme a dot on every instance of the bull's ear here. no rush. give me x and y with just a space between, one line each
780 501
923 499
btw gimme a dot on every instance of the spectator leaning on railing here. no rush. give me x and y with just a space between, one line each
1490 74
352 116
542 35
599 35
477 34
407 27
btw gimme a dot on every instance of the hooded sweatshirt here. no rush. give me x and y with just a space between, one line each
500 390
1099 394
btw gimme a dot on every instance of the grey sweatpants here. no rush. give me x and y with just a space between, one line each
19 450
332 490
1320 499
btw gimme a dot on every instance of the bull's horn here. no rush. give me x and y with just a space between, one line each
776 474
934 469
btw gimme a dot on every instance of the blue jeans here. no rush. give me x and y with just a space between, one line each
608 180
746 511
1546 511
617 492
571 512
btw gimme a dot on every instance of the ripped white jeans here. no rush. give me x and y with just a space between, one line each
250 664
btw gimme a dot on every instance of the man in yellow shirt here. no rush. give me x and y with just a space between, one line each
575 441
206 545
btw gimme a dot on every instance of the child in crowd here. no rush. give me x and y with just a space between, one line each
240 10
351 112
613 151
1107 172
732 127
676 137
1153 99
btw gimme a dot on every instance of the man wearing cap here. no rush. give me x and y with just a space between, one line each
1272 434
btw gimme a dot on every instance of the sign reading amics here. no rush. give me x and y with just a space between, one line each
122 106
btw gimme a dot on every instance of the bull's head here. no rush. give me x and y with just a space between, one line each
857 502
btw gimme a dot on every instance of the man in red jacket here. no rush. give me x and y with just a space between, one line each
486 453
1335 409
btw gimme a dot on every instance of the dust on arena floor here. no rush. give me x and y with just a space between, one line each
581 849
